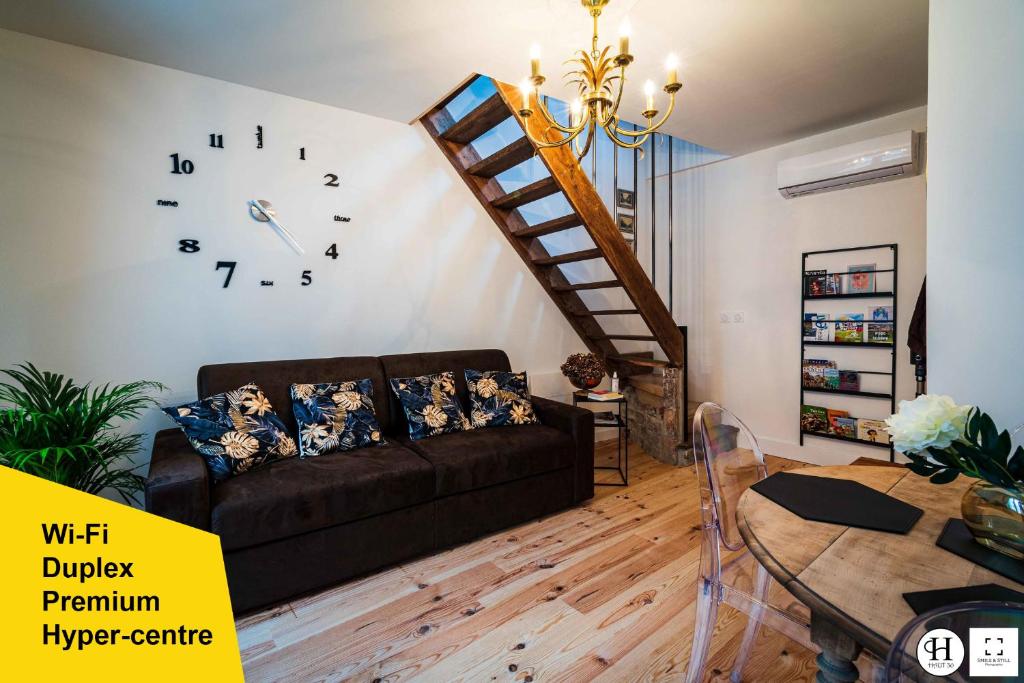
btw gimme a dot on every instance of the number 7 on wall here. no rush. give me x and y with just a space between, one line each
230 265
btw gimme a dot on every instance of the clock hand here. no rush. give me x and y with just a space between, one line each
278 228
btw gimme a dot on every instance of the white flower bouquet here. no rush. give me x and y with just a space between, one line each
944 440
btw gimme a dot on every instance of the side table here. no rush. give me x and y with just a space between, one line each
620 421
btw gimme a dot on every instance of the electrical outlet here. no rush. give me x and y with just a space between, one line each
723 317
737 317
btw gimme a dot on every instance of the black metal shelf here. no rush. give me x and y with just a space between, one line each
805 297
853 295
870 345
850 392
836 437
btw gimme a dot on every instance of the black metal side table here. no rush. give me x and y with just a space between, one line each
620 421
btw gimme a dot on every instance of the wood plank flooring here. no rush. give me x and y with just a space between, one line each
604 591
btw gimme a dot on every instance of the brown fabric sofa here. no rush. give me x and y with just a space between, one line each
301 524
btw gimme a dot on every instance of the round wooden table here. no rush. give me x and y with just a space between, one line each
853 579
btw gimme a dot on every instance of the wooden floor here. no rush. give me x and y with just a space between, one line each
603 591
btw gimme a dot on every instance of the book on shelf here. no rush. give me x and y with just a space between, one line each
813 419
850 328
845 427
603 395
849 380
832 415
880 333
831 378
881 314
833 283
872 430
816 327
860 279
604 416
814 282
813 372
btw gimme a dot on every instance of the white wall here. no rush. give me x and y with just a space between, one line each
93 284
738 249
976 204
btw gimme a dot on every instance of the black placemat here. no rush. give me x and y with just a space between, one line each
922 601
957 538
839 501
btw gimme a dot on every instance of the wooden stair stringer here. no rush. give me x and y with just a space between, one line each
486 190
599 224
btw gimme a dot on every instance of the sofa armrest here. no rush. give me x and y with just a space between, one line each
178 486
579 424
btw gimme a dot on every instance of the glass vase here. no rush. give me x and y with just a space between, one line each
995 516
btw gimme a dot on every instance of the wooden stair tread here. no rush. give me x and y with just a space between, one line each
525 195
570 257
628 337
602 284
504 159
607 311
548 227
477 122
643 362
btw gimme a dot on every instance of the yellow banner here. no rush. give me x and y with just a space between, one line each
98 591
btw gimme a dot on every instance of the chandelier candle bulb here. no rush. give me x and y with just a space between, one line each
524 88
649 92
535 60
672 65
624 31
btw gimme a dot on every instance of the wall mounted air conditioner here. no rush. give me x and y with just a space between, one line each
872 161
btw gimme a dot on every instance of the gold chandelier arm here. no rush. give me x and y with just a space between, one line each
572 133
653 126
586 145
608 130
552 123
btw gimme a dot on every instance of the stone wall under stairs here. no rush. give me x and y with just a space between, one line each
654 416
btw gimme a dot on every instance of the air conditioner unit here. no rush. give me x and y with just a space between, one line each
872 161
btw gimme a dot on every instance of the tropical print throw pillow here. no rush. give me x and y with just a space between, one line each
430 405
335 416
234 431
499 398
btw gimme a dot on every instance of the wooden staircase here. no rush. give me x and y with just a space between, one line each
565 176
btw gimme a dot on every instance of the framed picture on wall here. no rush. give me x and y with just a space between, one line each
627 225
625 199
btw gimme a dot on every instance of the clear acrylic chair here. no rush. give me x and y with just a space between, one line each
903 663
728 461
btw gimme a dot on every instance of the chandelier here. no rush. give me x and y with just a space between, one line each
599 79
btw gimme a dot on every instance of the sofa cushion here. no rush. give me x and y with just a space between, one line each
335 416
430 405
234 431
276 378
417 364
465 461
499 398
296 496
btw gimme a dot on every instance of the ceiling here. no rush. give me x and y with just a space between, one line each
755 73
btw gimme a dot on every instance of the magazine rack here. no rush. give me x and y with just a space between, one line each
887 296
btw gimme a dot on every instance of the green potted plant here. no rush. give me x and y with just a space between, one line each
944 440
57 430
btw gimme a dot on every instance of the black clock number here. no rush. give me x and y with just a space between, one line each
302 153
181 165
307 279
332 251
332 180
216 140
230 265
188 246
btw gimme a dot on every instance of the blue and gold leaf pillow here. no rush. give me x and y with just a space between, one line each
430 405
234 431
335 416
499 398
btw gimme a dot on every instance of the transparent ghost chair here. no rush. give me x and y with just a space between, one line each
910 659
728 461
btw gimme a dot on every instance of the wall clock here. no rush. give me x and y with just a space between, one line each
262 215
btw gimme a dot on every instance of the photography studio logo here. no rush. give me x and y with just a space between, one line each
993 652
940 652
